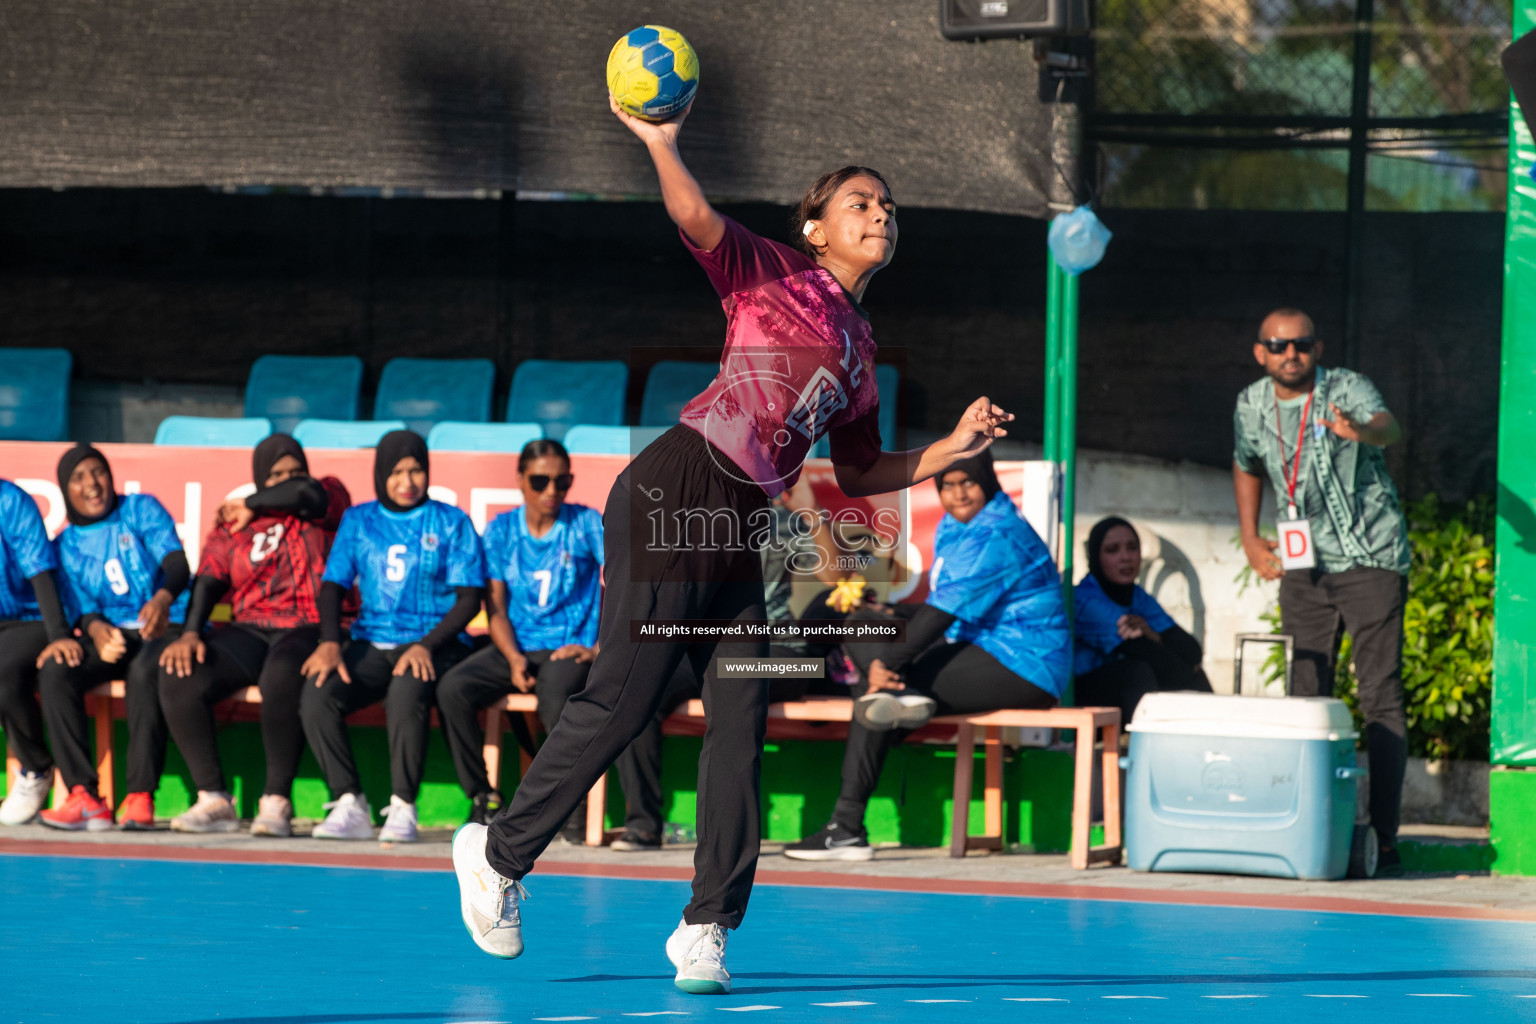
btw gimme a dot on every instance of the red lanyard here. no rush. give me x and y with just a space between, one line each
1294 475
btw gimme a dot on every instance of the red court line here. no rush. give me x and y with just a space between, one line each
805 879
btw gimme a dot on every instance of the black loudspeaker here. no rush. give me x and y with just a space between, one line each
1003 19
1519 60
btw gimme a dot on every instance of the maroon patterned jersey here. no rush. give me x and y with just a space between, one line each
273 567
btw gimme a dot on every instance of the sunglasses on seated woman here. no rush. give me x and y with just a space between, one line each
539 482
1277 346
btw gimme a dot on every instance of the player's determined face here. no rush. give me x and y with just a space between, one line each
961 496
545 482
407 483
860 224
90 488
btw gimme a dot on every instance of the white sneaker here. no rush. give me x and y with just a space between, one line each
349 818
399 822
26 799
885 710
698 953
274 817
213 812
488 901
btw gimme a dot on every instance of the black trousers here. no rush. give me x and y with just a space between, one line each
1140 667
240 656
962 678
20 716
63 691
484 678
679 483
1316 608
407 708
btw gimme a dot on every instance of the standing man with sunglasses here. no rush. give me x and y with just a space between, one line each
1317 435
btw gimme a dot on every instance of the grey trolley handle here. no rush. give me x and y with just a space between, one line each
1243 639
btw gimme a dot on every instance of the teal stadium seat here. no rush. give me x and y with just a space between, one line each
343 433
482 437
671 385
212 431
559 393
888 380
34 394
423 392
594 439
286 389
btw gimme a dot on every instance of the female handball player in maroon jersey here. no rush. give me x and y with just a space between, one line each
266 558
798 364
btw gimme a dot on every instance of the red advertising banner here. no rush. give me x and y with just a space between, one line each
192 482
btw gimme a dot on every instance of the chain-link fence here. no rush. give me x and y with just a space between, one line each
1257 104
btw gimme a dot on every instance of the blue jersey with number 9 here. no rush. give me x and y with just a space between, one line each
111 568
406 566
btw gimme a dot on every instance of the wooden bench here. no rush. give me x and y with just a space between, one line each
785 721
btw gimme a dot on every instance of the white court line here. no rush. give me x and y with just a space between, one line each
1234 997
1133 997
938 1000
851 1002
1440 995
1311 995
565 1018
656 1013
1033 999
746 1009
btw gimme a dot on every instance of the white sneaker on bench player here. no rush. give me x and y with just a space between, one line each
885 710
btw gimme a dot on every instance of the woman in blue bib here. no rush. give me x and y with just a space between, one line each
123 577
1126 645
418 565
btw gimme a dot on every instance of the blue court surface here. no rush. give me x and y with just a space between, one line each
86 939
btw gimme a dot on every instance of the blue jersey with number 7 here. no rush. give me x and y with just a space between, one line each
553 581
406 566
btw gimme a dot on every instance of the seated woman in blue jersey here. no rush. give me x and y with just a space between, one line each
1126 645
33 632
418 566
123 574
992 634
545 564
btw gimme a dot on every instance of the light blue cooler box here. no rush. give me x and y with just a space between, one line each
1241 785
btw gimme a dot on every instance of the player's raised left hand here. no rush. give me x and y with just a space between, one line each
979 426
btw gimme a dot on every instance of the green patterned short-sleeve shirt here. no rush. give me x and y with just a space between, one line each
1343 489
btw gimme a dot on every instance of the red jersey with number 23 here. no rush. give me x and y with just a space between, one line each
274 566
798 363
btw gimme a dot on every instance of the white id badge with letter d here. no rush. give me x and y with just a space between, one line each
1296 544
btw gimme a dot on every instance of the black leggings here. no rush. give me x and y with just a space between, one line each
63 691
651 576
240 656
1141 666
962 678
20 716
407 708
479 681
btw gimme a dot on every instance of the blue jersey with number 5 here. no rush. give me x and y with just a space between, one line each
24 552
112 568
553 581
996 577
406 566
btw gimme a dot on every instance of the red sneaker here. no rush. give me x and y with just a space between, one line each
137 812
80 811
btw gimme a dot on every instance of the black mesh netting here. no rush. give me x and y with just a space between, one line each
470 94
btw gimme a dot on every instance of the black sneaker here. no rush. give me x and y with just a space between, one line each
484 807
635 841
1389 863
832 843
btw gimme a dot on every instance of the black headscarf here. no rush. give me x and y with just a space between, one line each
1120 593
978 468
267 453
71 459
392 447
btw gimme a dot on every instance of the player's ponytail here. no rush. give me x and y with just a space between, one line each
813 205
538 449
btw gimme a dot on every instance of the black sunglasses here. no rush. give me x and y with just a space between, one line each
539 482
1277 346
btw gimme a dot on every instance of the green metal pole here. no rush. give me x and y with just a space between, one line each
1051 437
1067 435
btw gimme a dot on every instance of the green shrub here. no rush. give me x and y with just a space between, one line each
1447 631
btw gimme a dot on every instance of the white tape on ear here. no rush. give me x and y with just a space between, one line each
809 227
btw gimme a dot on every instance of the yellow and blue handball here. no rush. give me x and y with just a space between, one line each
653 72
